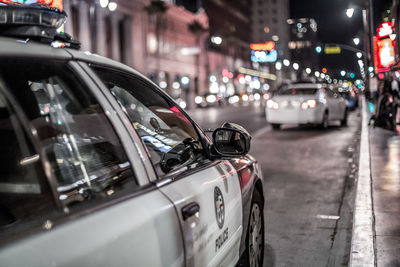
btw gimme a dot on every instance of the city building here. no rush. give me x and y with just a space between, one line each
269 24
303 44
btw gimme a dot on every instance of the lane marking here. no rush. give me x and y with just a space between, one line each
328 217
362 241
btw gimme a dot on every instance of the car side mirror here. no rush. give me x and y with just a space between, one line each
231 142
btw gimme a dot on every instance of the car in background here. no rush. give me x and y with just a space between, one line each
99 167
350 94
307 103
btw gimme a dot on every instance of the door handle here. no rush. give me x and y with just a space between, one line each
189 210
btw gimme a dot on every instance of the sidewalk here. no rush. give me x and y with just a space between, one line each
376 221
385 171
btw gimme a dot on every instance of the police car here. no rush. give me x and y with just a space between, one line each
99 167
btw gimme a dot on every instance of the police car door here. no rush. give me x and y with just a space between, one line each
209 205
206 194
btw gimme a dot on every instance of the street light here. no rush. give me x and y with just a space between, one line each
356 40
349 12
295 66
342 73
286 62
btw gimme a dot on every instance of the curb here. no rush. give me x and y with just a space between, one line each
362 251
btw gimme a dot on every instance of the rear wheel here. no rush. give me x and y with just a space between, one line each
255 233
343 122
275 126
325 122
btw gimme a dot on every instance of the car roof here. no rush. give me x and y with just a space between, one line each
20 48
305 86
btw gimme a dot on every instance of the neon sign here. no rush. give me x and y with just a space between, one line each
264 56
384 55
385 30
267 46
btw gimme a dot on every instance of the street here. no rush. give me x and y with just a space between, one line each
309 178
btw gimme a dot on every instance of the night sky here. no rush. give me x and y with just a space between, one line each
335 27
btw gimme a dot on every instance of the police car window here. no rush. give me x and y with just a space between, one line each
169 136
25 196
86 155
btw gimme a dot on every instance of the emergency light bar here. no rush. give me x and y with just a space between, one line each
45 13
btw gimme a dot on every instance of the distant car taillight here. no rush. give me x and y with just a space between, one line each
309 104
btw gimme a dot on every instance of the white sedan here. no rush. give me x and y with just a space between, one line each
306 103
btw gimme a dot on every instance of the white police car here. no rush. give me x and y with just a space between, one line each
99 167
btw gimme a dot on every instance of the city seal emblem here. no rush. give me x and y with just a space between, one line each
219 207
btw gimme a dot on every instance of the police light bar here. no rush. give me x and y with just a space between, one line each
55 5
30 16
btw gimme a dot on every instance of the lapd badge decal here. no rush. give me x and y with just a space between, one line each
219 207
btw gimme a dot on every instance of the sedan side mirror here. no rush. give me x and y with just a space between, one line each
231 141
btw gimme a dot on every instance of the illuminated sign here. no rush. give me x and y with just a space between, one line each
385 30
264 56
384 54
50 4
257 73
267 46
332 50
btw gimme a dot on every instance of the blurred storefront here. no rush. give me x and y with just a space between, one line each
167 43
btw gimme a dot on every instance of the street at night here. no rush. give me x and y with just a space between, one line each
199 133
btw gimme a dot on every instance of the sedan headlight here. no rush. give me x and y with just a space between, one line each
309 104
271 104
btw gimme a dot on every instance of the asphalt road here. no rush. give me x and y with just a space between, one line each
309 177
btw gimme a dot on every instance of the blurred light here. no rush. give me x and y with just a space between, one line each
342 73
185 80
318 49
225 79
392 37
322 75
286 62
324 70
213 79
360 63
248 78
103 3
299 25
214 88
278 65
308 70
198 99
182 104
175 85
317 74
266 86
266 29
275 38
216 40
356 40
309 104
370 69
359 54
112 6
257 96
271 104
245 98
163 84
352 75
233 99
242 80
256 84
349 12
295 66
211 98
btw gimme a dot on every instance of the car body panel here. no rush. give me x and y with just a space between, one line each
116 236
205 241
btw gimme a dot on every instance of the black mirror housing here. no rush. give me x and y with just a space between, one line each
231 140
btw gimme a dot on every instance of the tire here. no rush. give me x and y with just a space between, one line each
275 126
325 122
255 240
343 122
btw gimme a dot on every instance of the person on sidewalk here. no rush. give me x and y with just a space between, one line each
386 108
